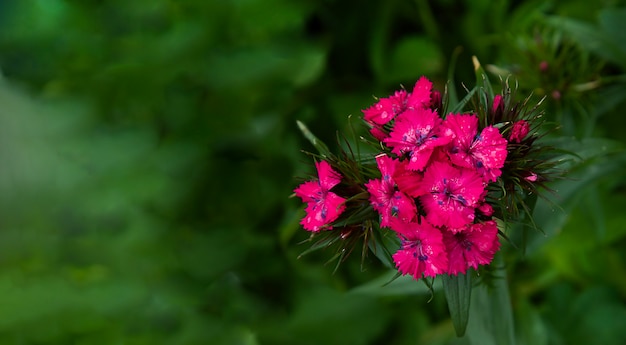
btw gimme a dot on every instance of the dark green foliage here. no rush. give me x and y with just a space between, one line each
148 150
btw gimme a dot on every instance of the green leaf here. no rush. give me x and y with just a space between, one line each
459 106
318 144
482 81
451 94
458 290
380 245
532 330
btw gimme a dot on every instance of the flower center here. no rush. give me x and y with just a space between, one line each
418 249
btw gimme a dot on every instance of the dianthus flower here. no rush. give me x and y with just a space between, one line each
417 132
385 198
323 206
421 252
485 152
451 194
475 245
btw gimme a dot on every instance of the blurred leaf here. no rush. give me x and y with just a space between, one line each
386 285
531 329
323 316
600 158
613 23
491 316
242 67
592 39
596 316
413 57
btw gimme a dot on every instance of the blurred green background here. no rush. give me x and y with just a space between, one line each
148 150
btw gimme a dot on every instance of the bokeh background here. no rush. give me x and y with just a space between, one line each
148 150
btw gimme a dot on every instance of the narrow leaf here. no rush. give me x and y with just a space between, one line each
458 290
481 77
379 245
318 144
491 311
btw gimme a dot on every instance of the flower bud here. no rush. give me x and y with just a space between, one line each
436 102
519 131
497 109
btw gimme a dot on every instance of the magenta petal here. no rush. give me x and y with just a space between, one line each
380 194
471 248
452 195
464 127
490 148
421 95
327 176
417 133
422 252
309 191
386 166
386 108
390 203
408 181
401 207
321 213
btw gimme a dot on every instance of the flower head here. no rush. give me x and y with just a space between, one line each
421 252
385 198
451 194
475 245
485 152
323 206
417 133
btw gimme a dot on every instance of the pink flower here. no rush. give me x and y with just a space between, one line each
421 252
474 246
389 202
386 108
451 195
519 131
323 206
416 132
485 152
421 95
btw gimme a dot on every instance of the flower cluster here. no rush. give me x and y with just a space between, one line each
439 182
